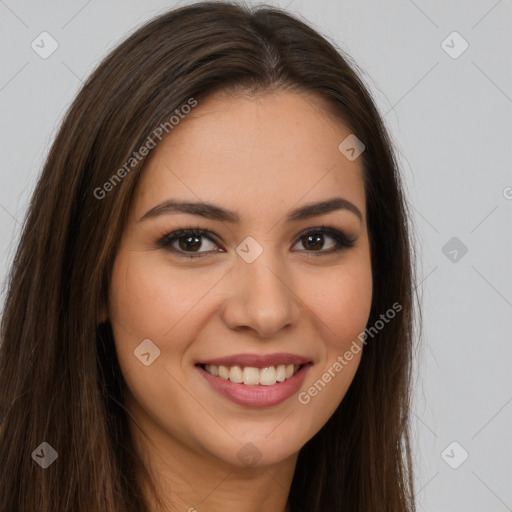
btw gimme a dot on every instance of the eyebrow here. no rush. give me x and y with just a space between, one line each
211 211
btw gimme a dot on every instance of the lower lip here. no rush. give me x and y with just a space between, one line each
257 396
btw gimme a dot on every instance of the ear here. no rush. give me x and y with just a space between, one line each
102 314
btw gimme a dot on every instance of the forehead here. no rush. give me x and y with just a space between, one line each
268 149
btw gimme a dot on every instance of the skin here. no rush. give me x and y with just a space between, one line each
260 156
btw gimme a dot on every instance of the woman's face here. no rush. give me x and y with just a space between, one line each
257 291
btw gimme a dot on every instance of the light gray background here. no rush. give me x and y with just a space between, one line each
452 124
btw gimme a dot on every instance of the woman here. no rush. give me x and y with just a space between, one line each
211 303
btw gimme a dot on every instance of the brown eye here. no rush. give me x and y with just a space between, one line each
188 242
317 241
313 242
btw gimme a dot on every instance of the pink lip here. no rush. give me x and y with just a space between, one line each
257 360
257 396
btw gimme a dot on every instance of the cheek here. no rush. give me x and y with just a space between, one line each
149 300
342 308
343 303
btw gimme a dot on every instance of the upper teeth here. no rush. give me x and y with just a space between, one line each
253 376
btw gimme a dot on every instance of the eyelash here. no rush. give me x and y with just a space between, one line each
343 242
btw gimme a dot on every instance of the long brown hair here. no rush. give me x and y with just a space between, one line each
60 382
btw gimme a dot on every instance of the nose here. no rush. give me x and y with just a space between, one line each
261 298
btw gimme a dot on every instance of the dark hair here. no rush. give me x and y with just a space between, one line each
59 377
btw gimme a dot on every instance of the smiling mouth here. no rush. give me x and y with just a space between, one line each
251 376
